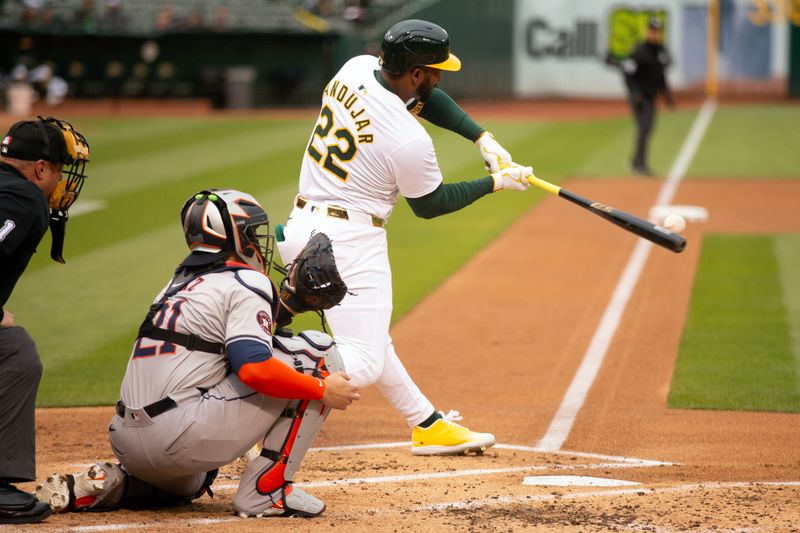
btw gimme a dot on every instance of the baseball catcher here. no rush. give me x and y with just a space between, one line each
207 380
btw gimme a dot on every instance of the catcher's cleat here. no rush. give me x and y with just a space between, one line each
445 437
292 501
80 491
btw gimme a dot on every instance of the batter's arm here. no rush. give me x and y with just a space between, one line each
450 197
441 110
444 112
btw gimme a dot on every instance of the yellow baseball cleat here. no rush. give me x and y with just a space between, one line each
445 437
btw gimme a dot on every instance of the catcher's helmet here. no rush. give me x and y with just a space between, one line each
413 43
217 222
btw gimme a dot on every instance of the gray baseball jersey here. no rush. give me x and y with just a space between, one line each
227 307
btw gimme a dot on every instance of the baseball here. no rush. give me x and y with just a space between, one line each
674 223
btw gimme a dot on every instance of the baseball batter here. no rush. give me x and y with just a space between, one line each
366 148
206 381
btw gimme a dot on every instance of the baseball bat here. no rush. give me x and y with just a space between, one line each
647 230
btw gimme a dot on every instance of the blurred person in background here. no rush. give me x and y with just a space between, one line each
222 19
114 18
53 88
85 17
165 18
645 79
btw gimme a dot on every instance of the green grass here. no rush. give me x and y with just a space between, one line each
85 314
739 349
752 142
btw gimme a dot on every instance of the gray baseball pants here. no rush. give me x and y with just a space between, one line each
175 450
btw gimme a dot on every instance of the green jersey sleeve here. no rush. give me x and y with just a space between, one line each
450 197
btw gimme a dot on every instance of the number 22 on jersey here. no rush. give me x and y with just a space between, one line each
342 149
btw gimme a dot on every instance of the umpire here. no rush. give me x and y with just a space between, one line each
645 79
41 174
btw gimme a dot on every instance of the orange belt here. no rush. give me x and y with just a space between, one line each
340 212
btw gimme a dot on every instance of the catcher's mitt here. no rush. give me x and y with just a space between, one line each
312 281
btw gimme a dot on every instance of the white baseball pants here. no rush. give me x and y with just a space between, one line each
360 324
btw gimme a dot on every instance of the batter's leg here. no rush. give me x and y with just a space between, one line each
360 323
400 391
434 433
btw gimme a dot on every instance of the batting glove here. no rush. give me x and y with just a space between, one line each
495 157
514 177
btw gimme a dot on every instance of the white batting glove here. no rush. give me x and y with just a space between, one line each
514 177
495 157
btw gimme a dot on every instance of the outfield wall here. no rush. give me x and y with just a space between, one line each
509 48
560 45
231 69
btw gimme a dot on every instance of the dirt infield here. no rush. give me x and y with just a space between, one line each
504 356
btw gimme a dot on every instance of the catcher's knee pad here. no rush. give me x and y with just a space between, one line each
311 352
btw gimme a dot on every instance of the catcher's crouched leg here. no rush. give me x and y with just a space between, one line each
266 486
108 486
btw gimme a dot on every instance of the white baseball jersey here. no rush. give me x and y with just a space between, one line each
225 307
366 147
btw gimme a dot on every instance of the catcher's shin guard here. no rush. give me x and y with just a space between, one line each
265 487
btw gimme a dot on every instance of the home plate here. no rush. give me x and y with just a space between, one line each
692 213
575 481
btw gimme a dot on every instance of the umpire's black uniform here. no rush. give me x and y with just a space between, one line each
24 219
644 78
24 216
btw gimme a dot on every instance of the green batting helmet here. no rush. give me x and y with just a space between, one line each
413 43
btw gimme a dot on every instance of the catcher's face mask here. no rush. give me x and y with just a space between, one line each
217 220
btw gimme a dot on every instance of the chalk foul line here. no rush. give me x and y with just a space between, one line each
561 425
